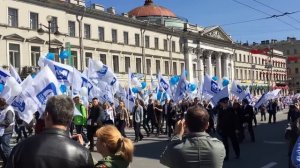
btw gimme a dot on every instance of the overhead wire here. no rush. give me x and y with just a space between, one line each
271 16
283 13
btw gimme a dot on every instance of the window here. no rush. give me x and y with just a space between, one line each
35 55
157 63
103 58
295 51
156 43
248 58
101 33
148 63
182 67
138 65
167 67
287 52
126 41
87 31
71 26
244 58
114 36
147 41
256 75
165 45
240 56
87 56
296 70
34 21
116 63
14 55
241 74
13 17
174 68
255 60
236 74
194 71
137 40
127 64
246 75
54 25
75 58
235 57
173 46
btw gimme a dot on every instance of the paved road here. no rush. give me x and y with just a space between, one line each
269 150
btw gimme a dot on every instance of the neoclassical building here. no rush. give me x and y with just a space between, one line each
149 39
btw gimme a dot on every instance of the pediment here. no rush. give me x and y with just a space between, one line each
55 42
35 40
216 32
14 37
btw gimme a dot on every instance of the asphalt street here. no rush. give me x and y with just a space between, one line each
269 150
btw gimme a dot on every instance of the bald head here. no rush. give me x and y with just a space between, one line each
197 119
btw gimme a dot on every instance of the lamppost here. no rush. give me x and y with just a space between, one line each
269 67
42 31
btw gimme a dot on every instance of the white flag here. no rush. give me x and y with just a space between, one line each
181 88
14 74
163 83
262 100
237 90
97 70
222 94
210 86
4 75
63 73
44 86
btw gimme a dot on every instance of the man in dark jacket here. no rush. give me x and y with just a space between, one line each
228 126
7 117
248 116
52 148
272 109
93 121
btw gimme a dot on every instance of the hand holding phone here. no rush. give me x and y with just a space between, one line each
78 138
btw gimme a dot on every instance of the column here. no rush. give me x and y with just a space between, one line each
208 62
232 67
226 60
218 65
188 61
200 63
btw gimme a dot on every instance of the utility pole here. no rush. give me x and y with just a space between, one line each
79 19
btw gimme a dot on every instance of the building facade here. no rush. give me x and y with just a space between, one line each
149 39
291 48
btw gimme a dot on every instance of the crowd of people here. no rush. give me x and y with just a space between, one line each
192 127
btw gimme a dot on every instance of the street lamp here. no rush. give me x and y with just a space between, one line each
41 31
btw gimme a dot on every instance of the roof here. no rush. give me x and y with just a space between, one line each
150 9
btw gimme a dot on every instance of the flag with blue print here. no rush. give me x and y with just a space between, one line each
221 94
181 88
210 86
237 90
262 100
14 74
164 84
3 76
129 101
62 72
101 72
44 86
248 95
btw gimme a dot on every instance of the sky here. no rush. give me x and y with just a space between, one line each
225 12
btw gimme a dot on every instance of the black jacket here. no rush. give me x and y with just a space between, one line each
248 114
51 149
227 121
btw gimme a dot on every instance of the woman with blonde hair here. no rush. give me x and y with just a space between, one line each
122 118
116 150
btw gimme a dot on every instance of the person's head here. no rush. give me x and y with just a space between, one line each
137 102
166 101
59 111
196 100
236 105
121 104
3 104
110 142
150 101
76 100
245 102
106 105
171 102
197 119
95 101
224 102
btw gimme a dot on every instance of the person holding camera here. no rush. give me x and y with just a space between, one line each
192 146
